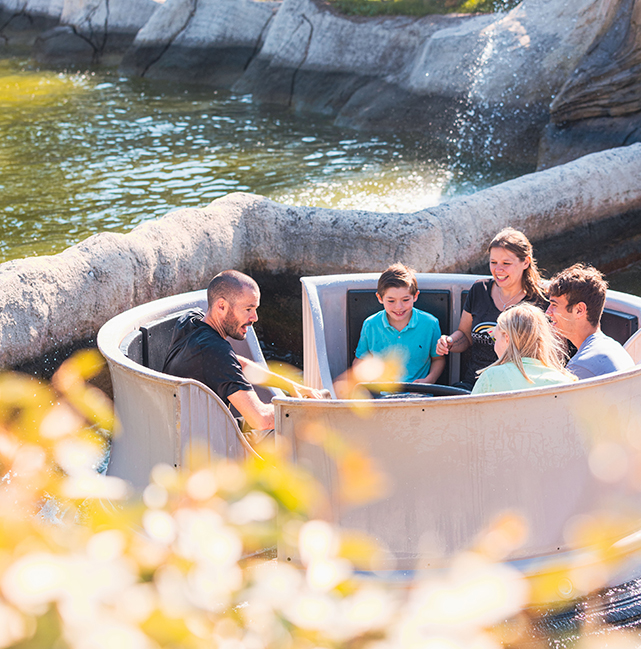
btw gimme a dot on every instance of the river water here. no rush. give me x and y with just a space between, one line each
85 152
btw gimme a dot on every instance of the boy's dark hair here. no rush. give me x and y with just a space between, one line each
397 276
581 283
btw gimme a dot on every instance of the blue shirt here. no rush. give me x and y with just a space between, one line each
599 354
415 344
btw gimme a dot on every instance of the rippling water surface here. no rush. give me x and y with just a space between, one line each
83 153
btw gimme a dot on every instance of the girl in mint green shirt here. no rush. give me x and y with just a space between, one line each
529 353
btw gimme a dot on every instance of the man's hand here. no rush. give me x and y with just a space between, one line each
258 375
302 391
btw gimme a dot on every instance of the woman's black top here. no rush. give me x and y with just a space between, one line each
480 305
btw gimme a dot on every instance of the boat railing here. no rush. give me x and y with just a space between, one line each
165 418
451 465
335 307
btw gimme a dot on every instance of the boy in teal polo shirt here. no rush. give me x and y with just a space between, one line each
401 329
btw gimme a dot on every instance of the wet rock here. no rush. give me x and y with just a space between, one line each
205 41
63 44
22 20
485 80
54 302
309 43
93 29
599 106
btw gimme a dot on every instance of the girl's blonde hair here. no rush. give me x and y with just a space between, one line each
530 335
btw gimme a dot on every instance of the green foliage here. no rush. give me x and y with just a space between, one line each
420 7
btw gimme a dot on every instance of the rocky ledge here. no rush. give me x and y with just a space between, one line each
60 301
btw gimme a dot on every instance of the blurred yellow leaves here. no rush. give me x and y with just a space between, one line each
70 381
359 477
85 566
371 369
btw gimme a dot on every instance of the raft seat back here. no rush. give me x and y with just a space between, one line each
156 337
149 344
362 303
165 418
464 357
131 346
619 325
633 347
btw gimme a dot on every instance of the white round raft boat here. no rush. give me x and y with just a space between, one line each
453 463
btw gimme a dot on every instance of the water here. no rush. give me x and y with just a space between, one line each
87 152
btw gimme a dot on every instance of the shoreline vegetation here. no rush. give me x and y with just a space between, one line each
420 7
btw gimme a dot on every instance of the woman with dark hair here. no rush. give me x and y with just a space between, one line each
515 279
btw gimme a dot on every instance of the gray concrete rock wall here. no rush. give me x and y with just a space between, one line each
486 81
599 106
201 41
22 20
491 84
92 30
54 301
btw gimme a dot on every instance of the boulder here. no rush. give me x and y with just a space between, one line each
483 80
314 59
205 41
599 106
91 30
56 301
485 85
22 20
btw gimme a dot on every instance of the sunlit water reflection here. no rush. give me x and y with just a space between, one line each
84 153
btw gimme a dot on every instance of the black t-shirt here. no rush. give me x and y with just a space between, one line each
480 305
198 351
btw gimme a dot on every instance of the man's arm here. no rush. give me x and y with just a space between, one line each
258 415
258 375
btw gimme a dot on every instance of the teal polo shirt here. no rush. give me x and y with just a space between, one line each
415 344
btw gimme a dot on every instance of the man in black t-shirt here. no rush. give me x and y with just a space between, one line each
199 350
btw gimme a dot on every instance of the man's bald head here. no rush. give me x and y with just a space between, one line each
230 285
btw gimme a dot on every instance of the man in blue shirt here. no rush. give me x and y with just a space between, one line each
401 329
577 298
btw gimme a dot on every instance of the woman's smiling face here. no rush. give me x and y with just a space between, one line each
507 269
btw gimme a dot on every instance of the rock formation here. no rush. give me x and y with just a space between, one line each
599 106
204 42
55 301
17 16
485 79
75 32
